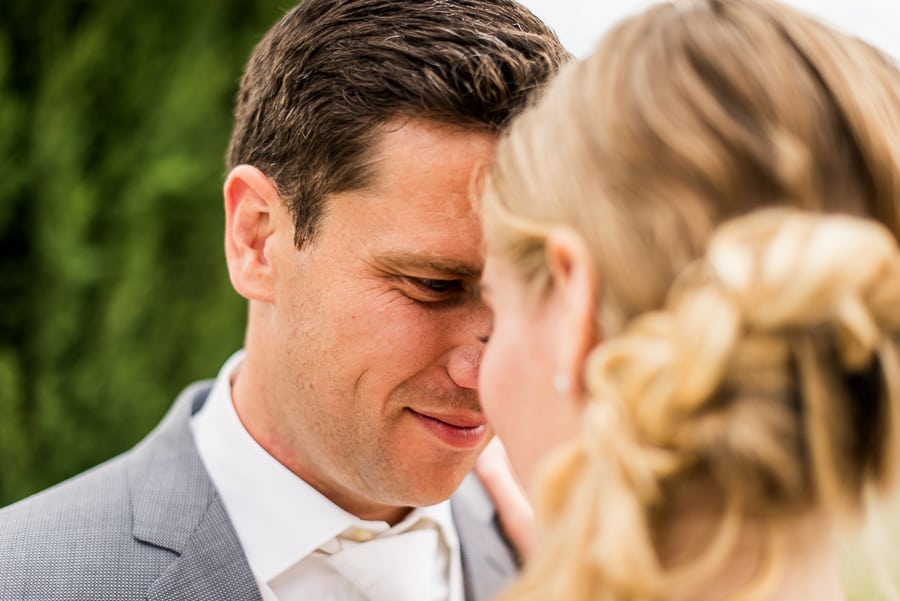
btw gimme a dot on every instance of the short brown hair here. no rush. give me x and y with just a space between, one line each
325 77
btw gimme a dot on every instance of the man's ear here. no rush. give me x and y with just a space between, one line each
251 202
574 282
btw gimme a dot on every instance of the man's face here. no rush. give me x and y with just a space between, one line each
373 330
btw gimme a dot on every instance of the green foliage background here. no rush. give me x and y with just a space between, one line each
114 119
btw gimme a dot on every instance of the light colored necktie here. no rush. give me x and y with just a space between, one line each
398 567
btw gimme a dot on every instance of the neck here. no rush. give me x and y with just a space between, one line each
811 568
804 564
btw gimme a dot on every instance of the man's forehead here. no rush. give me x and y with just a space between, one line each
405 139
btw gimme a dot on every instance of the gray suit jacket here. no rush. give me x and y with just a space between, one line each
150 525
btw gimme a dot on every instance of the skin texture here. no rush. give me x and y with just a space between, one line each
517 371
357 339
538 336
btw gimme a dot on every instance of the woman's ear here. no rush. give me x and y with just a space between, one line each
573 290
251 202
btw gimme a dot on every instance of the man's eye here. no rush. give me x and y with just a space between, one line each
441 285
426 289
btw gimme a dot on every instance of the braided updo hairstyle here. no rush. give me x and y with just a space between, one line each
772 373
734 168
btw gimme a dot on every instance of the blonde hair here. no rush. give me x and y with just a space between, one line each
760 356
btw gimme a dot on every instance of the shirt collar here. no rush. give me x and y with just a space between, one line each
278 517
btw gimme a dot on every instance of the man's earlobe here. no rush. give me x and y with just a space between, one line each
251 200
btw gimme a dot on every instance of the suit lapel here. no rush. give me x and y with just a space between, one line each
212 566
176 507
488 562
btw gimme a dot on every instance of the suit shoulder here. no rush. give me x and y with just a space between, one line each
76 536
81 493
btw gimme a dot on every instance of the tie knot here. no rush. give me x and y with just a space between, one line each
389 565
359 535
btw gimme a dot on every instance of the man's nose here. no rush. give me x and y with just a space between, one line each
462 366
466 357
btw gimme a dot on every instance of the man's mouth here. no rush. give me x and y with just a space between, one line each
461 430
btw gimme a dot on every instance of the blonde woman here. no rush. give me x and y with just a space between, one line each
693 267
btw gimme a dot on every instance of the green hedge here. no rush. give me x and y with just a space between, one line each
114 118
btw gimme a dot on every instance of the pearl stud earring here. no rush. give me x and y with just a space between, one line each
562 384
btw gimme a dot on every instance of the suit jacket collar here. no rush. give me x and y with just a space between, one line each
175 506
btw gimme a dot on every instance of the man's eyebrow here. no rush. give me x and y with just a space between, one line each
430 263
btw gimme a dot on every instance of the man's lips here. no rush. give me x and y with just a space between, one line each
457 420
458 430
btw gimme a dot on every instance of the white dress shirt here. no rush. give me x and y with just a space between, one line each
298 543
